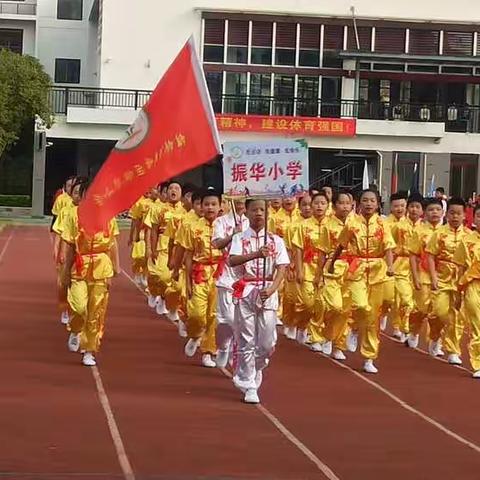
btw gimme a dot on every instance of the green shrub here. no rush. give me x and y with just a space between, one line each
15 201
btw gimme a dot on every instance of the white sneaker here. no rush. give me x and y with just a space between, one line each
327 348
191 346
73 342
338 355
258 378
65 318
144 282
251 396
435 348
397 334
454 359
222 358
173 316
302 336
413 340
279 322
292 333
89 360
161 309
182 329
352 341
476 374
152 301
316 347
207 361
369 367
383 323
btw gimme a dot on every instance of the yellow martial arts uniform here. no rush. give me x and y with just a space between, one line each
206 267
138 213
402 233
442 245
335 291
280 225
62 201
467 256
389 284
365 243
423 297
305 236
159 215
91 271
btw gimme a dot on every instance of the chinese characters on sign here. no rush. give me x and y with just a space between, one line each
274 168
308 126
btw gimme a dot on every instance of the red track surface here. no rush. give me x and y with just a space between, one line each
180 421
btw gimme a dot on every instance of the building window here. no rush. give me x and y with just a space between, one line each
67 70
332 44
307 96
284 87
285 44
213 41
389 40
11 40
309 55
458 43
364 39
331 92
259 102
237 46
235 93
424 42
262 37
214 84
69 9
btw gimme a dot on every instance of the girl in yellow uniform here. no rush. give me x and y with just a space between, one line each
90 263
333 285
422 292
467 256
305 245
203 265
444 274
368 246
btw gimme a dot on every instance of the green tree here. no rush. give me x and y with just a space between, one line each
24 89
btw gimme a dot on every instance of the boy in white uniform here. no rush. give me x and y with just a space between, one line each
224 228
256 297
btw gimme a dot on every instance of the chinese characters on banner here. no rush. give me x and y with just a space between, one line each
307 126
270 168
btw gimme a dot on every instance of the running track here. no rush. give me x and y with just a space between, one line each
149 413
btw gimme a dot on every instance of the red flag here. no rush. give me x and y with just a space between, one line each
174 132
394 180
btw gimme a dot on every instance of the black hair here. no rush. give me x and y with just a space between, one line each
249 201
210 193
320 194
440 190
456 201
337 194
300 198
433 201
196 195
163 186
188 188
416 198
398 196
173 182
83 182
71 177
370 190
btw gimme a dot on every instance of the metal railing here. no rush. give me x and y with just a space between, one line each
457 118
18 8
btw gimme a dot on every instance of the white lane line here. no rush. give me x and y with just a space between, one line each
408 407
325 469
113 427
7 243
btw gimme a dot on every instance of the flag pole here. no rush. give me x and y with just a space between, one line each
264 280
232 206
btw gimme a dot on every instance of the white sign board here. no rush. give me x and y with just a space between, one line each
275 168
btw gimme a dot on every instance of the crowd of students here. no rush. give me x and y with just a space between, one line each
327 264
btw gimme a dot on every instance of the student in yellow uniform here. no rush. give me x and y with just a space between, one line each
64 199
305 247
444 274
90 264
398 209
157 219
203 265
333 285
136 239
368 245
422 292
402 233
328 190
467 256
